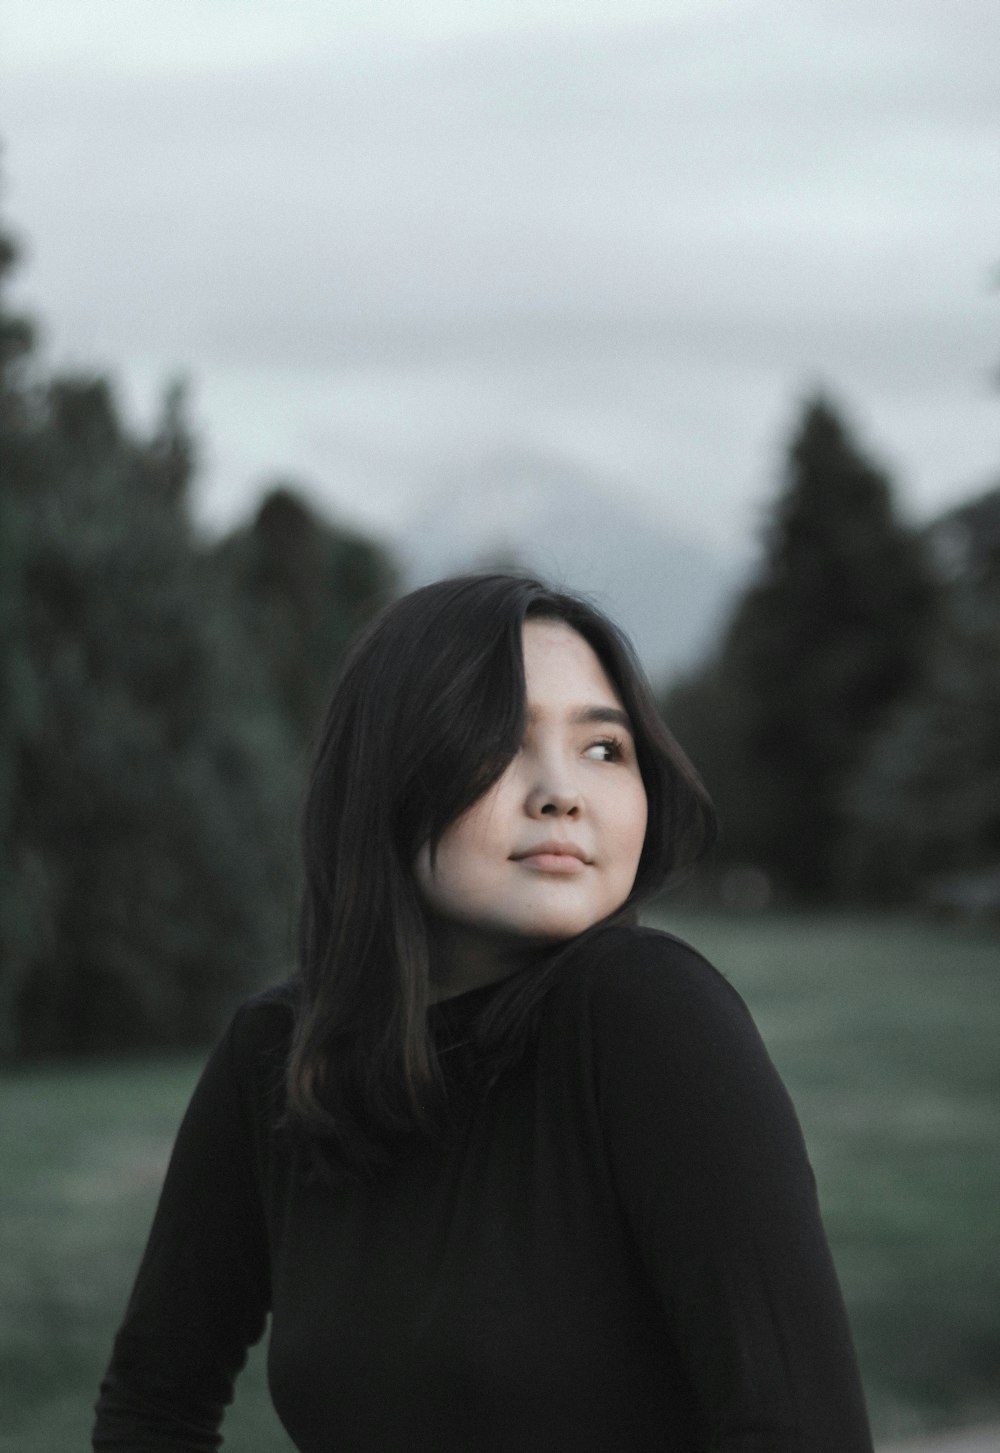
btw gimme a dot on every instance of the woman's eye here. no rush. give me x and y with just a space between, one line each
607 750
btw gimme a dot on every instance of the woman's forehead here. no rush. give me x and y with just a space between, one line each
562 669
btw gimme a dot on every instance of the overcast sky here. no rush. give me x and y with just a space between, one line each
389 240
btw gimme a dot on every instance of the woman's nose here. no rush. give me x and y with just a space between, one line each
554 799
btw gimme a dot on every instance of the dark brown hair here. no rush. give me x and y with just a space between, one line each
426 716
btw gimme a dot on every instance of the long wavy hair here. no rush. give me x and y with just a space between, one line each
427 714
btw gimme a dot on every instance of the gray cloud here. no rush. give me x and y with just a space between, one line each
633 241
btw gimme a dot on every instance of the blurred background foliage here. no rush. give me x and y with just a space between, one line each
159 694
157 698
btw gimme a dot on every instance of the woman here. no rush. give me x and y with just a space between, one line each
508 1171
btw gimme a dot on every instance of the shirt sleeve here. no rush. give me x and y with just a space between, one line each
202 1292
717 1192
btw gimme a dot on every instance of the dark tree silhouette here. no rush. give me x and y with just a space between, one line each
150 746
819 649
305 585
926 809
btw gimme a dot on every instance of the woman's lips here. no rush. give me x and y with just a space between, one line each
553 857
564 863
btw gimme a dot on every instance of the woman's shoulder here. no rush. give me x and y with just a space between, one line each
659 1024
261 1026
638 978
631 961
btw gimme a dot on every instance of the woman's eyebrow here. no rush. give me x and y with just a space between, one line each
589 715
612 714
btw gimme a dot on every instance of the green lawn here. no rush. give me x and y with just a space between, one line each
886 1031
83 1154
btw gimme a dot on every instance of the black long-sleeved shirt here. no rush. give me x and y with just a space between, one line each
616 1248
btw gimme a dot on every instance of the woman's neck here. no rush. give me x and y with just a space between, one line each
464 958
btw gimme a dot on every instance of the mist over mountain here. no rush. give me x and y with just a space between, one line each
581 533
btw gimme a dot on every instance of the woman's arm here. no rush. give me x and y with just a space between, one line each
202 1292
717 1191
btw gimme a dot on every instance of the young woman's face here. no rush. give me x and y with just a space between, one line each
554 845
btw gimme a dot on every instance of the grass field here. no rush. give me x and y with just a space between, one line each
887 1032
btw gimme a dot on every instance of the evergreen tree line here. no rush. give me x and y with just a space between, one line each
157 694
847 720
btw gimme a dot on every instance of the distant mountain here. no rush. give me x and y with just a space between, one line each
667 592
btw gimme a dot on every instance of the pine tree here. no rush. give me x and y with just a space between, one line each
819 649
926 808
150 815
150 754
21 892
306 585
